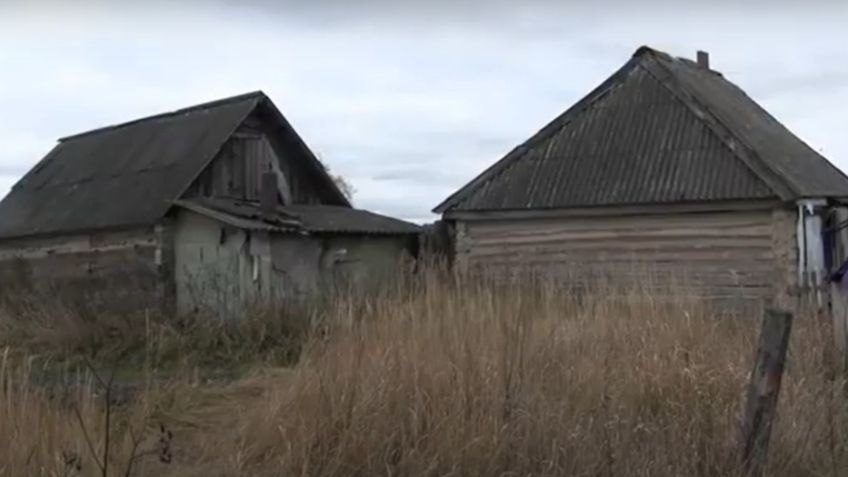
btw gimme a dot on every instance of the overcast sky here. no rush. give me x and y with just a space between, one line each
408 102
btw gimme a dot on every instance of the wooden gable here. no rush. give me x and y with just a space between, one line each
236 172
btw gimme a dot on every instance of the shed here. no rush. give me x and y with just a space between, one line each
211 205
666 168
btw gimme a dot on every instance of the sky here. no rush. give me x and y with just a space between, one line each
407 100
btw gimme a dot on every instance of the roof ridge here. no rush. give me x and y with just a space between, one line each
646 50
694 97
258 94
767 113
514 155
742 152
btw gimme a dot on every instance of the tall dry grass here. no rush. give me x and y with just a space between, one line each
443 376
54 330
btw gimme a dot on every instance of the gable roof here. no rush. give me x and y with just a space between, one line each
131 173
659 130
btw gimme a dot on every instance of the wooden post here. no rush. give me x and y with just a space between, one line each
839 315
763 390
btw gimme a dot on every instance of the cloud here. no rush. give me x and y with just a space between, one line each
409 100
20 151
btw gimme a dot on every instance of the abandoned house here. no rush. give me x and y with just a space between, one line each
214 205
665 171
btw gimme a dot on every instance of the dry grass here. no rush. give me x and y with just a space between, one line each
439 377
57 331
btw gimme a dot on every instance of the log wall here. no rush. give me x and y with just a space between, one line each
730 254
130 268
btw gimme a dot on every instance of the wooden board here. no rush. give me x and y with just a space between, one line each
716 253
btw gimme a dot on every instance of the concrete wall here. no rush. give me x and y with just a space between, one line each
129 268
296 265
215 269
362 261
221 269
747 254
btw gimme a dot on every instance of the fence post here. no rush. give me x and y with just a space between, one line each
763 390
839 315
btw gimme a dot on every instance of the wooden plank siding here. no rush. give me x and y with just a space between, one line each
128 267
715 254
236 172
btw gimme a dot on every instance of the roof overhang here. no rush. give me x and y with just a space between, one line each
238 221
315 219
616 210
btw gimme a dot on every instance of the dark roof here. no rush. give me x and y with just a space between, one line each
130 174
247 216
659 130
329 218
299 218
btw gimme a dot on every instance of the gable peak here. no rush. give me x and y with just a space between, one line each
258 96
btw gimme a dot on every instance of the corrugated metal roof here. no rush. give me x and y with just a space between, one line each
122 175
130 174
806 172
331 218
231 213
659 130
306 218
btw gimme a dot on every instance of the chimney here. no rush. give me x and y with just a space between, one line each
703 59
268 195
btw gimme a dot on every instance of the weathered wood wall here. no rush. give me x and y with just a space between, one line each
127 266
236 172
731 254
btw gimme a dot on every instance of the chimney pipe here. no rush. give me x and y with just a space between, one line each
703 59
268 195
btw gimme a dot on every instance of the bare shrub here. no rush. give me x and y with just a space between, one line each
78 431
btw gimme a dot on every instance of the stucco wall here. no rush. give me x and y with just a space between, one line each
364 262
295 265
124 269
215 267
222 269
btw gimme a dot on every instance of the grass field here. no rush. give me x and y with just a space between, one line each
435 377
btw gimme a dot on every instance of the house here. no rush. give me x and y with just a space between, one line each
214 206
666 171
